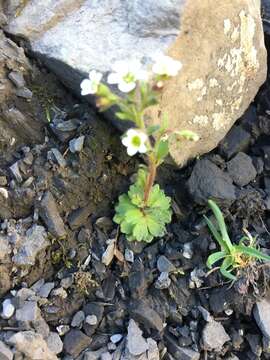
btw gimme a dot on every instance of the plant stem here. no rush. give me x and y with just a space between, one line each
150 179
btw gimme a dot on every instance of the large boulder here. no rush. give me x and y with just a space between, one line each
219 43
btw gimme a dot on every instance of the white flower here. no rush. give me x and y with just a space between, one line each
135 141
90 86
126 74
165 65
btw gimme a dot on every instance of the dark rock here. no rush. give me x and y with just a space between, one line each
241 169
258 164
142 313
139 281
266 152
75 342
236 140
164 265
254 341
261 312
49 213
108 288
178 352
78 217
207 181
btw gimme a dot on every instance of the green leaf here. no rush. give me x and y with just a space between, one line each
124 205
126 227
225 269
252 252
134 216
216 235
158 199
187 134
155 228
162 149
212 259
123 116
152 129
221 223
140 231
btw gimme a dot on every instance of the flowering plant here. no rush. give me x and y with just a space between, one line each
145 210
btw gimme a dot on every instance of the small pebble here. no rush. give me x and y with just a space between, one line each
116 338
229 312
8 309
62 329
76 145
106 356
187 251
91 320
129 255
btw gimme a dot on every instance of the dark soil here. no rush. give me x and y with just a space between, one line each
82 189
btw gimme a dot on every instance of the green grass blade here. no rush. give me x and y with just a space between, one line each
221 223
216 234
212 259
227 263
249 251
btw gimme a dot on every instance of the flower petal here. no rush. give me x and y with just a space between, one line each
132 150
95 76
87 87
126 87
142 149
114 78
126 141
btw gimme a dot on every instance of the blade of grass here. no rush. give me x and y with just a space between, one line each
222 226
227 263
252 252
212 259
216 234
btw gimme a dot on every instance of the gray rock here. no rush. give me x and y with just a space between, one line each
136 344
17 78
66 282
214 336
205 314
45 289
75 342
179 352
163 281
5 352
254 341
266 15
165 265
55 343
32 345
106 356
24 93
76 145
5 249
94 355
59 157
122 30
153 351
28 312
207 181
261 312
78 319
50 215
37 285
41 327
79 216
15 171
34 241
241 169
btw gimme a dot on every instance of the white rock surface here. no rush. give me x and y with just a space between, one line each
221 48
